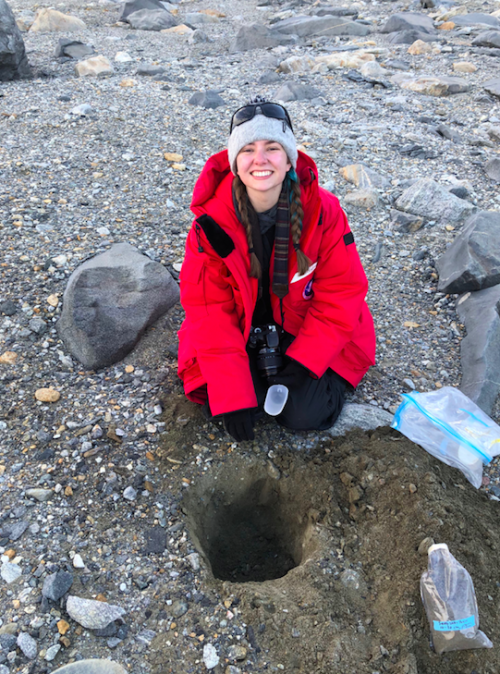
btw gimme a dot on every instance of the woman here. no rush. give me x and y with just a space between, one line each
270 249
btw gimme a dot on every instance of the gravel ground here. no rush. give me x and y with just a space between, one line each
114 451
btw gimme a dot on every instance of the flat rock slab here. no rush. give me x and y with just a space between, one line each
432 201
127 8
91 667
13 60
476 19
480 349
294 91
492 169
472 262
493 86
306 26
109 302
408 21
410 36
432 86
151 19
489 38
73 48
357 416
50 20
94 66
92 614
257 36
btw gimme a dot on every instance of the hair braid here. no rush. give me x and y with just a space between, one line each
240 192
296 217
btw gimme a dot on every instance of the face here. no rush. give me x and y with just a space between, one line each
262 167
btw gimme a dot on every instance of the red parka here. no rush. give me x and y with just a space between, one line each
325 308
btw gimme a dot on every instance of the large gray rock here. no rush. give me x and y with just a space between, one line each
472 262
433 202
93 614
492 168
294 91
109 302
356 416
151 19
256 36
411 36
480 349
13 60
336 11
131 6
91 667
73 49
475 19
493 86
305 26
408 21
489 38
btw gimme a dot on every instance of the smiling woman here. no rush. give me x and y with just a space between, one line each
272 284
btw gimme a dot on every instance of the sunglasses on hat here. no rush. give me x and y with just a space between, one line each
248 112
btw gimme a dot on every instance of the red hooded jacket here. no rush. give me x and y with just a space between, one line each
324 309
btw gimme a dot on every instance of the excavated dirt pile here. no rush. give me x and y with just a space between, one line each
319 549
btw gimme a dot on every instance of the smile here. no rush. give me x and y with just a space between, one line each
261 174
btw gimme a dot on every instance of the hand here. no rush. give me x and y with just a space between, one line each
239 425
294 375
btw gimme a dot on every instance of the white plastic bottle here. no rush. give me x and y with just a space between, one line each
276 398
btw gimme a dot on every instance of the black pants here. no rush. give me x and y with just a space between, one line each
314 406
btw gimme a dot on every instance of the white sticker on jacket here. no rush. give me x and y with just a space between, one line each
299 277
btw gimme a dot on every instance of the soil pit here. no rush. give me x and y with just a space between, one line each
349 515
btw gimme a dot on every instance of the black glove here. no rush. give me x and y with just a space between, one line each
239 425
294 375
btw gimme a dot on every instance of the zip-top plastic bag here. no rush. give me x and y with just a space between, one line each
449 599
451 427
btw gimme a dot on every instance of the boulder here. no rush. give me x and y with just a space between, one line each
307 26
432 201
109 302
256 36
355 416
50 20
91 667
96 65
363 177
131 6
73 49
493 87
472 262
492 168
296 64
405 223
480 349
364 198
476 19
336 11
489 38
151 19
408 21
411 36
13 60
346 59
432 86
294 91
207 99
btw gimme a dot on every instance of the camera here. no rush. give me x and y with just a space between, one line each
269 359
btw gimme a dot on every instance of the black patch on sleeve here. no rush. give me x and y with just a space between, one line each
348 238
220 240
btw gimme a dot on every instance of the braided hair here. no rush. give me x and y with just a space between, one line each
296 219
240 192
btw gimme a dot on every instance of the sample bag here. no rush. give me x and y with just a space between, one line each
451 427
450 603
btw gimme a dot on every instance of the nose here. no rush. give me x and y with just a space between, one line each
260 156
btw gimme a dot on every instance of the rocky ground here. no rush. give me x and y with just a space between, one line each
91 485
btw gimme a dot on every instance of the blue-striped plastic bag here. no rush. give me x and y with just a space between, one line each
448 425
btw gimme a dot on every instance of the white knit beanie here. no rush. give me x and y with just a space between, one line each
261 127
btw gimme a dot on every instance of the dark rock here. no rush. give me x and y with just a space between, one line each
151 19
110 630
493 87
294 91
257 36
8 308
109 302
13 60
475 19
207 99
472 262
131 6
460 191
427 4
480 349
408 21
8 642
73 49
17 530
396 64
150 71
492 169
445 132
410 36
405 222
490 38
307 26
156 541
56 585
417 151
